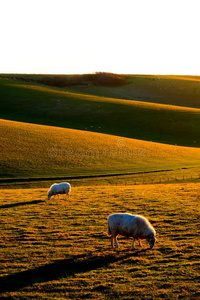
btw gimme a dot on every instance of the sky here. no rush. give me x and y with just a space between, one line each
87 36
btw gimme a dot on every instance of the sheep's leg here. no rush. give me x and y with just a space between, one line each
112 240
140 244
116 243
133 244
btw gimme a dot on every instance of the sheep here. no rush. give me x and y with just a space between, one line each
135 226
59 188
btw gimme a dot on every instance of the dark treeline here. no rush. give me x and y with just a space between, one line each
97 79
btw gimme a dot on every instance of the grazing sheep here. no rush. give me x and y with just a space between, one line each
135 226
59 188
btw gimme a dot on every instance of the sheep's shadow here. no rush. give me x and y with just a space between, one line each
21 204
60 269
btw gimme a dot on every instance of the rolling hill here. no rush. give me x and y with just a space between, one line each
84 128
97 124
31 150
164 89
36 103
171 90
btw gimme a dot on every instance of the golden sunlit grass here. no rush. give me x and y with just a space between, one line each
60 249
180 77
38 151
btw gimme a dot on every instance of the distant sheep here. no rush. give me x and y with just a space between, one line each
59 188
135 226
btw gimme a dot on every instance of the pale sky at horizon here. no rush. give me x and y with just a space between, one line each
86 36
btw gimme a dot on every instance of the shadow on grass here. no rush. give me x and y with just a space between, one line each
60 269
21 203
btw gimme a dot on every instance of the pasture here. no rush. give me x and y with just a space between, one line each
126 143
59 249
39 151
157 122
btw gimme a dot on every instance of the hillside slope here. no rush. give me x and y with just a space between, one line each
172 90
165 89
134 119
44 151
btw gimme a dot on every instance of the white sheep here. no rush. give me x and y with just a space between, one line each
135 226
59 188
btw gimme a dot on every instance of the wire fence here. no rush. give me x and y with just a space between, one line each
137 179
170 179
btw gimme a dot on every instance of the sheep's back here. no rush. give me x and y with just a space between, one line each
130 225
143 226
120 223
61 188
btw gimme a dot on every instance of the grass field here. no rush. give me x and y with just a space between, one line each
173 90
43 151
34 103
60 249
165 89
126 143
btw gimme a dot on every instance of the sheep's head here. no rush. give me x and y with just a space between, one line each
151 240
49 196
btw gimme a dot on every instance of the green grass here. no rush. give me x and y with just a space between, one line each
172 90
59 249
134 119
165 89
44 151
